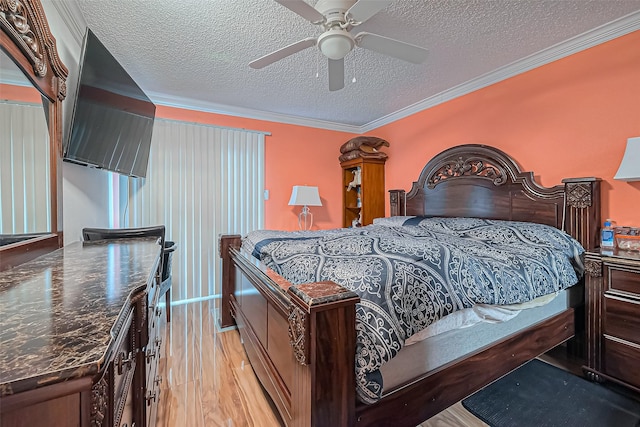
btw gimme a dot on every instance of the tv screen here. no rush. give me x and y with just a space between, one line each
112 118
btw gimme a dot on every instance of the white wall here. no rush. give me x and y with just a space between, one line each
85 200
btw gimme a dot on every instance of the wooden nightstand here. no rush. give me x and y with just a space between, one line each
613 317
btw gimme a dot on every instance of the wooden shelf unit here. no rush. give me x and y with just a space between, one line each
370 191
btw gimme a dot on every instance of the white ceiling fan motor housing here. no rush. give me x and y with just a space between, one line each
334 11
335 43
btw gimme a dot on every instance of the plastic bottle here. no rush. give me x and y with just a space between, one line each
607 236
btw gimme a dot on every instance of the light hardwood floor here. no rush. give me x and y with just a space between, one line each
207 379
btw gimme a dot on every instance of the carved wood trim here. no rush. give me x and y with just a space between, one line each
459 167
393 198
593 267
99 402
479 161
299 333
19 25
396 202
119 410
122 320
24 21
582 210
579 195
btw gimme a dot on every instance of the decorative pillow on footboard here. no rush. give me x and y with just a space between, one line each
408 276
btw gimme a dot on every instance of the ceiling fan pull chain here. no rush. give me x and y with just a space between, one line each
353 80
318 65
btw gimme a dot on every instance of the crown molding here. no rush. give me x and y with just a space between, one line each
248 113
73 19
607 32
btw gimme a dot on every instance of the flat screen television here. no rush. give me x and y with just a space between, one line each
112 118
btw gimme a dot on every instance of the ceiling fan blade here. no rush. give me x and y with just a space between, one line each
282 53
303 9
365 9
336 74
396 48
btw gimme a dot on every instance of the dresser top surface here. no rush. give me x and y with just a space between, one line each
615 254
57 312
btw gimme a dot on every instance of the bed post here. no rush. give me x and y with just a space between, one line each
582 222
582 210
228 278
322 331
397 202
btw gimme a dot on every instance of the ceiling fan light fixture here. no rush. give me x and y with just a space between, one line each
335 43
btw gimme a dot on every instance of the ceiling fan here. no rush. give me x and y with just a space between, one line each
337 18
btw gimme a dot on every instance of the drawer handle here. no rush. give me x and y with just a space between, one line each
158 311
150 355
158 380
122 362
158 342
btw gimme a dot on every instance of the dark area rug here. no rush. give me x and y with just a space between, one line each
540 395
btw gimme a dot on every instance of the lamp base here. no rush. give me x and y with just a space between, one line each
305 219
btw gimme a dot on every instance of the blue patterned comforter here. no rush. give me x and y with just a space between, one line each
410 275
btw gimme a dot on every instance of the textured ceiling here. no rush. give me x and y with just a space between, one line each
195 52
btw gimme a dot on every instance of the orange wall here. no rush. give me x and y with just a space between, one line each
294 155
20 93
569 118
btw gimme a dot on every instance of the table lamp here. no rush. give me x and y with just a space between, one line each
305 196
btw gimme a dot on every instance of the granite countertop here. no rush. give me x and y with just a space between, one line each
57 311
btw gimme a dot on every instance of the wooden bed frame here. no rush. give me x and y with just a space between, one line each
301 339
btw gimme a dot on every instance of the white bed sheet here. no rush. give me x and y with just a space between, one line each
441 349
479 313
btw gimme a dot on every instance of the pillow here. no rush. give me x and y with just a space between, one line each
392 221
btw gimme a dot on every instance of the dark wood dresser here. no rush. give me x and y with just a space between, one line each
613 317
79 340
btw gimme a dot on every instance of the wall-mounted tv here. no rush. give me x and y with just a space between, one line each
112 118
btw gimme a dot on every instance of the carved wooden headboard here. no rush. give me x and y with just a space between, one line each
483 182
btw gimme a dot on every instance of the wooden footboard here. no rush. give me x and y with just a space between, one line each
300 339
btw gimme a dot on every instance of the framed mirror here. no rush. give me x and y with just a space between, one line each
31 200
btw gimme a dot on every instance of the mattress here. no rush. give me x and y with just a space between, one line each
435 351
476 314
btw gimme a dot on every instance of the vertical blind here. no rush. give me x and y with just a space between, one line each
202 181
24 167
